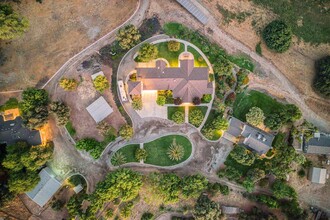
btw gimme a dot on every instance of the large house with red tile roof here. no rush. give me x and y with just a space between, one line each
186 81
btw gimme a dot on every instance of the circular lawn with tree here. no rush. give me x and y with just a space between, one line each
165 151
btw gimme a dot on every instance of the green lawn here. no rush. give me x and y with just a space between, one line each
172 109
308 19
70 128
157 150
171 57
199 61
249 99
129 152
217 134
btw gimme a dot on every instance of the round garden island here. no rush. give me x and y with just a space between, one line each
165 151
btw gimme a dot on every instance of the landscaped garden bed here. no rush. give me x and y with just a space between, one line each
157 151
197 114
171 56
172 109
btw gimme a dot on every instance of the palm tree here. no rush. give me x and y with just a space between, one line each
175 151
118 159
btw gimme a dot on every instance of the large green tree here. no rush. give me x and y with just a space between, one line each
12 25
147 52
322 78
128 37
61 111
255 116
283 191
242 155
126 132
206 209
277 36
193 186
34 107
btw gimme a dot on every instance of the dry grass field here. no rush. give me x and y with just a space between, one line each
58 30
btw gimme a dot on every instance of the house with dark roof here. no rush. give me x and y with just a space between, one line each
185 81
319 144
12 131
251 137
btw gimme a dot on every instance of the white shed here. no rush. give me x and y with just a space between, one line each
97 74
99 109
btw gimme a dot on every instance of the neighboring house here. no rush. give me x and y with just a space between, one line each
99 109
318 175
185 81
253 138
46 188
12 131
319 144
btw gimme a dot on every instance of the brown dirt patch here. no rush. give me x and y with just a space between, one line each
82 97
58 30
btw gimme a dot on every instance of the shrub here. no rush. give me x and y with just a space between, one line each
68 84
175 151
147 216
137 103
57 205
207 98
196 101
255 116
62 112
126 131
193 186
118 159
161 100
101 83
277 36
206 209
196 117
220 123
258 49
147 52
301 173
282 191
109 213
128 37
92 146
126 210
178 101
178 117
3 57
173 46
222 67
322 78
141 154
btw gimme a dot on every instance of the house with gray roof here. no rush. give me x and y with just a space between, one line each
185 81
319 144
251 137
46 188
317 175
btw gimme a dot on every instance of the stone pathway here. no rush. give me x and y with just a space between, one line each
186 114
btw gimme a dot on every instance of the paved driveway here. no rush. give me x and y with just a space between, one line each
150 107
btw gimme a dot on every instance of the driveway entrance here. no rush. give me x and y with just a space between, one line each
150 107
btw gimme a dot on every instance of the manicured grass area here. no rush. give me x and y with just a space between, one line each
70 128
198 59
212 115
129 152
172 109
157 150
171 57
249 99
308 19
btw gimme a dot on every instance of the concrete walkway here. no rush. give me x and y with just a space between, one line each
186 114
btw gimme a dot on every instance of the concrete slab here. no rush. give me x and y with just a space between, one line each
150 107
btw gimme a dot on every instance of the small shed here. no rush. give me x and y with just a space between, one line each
46 188
97 74
99 109
318 175
230 210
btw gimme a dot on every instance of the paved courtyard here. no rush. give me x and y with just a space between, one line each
150 107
